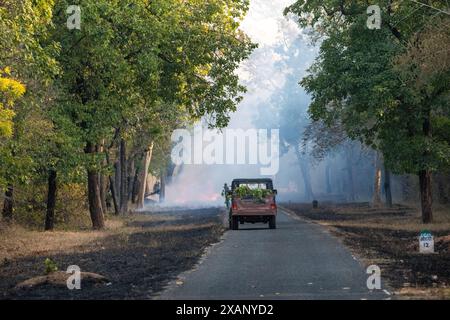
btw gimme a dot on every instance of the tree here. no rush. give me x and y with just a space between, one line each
354 80
111 91
10 91
27 60
424 70
376 200
112 79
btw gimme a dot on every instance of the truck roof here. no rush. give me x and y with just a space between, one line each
267 181
261 180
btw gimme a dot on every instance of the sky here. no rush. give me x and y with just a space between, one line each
262 22
266 25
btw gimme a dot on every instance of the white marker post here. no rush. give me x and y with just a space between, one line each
426 242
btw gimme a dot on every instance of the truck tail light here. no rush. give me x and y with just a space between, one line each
273 206
234 206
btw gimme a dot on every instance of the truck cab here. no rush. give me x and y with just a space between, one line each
252 201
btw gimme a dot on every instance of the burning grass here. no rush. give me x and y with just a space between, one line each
388 237
139 254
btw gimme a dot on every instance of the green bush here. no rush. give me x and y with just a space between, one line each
50 266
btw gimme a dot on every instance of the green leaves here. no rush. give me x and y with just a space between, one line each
257 194
125 57
382 91
135 70
50 266
10 91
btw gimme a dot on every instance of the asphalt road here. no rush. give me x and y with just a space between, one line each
298 260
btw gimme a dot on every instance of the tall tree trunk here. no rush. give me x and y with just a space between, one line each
350 188
341 181
123 178
149 184
376 200
426 197
143 177
309 195
114 196
306 180
328 178
95 204
130 179
117 177
112 185
103 191
406 183
51 200
135 185
349 170
162 193
351 185
8 204
103 183
387 187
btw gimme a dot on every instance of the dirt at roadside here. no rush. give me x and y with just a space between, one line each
138 255
389 239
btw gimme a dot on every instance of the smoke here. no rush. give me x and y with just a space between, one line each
283 55
198 185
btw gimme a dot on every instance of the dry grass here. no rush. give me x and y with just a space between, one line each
17 241
424 293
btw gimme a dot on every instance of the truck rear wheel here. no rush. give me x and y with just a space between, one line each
234 222
273 222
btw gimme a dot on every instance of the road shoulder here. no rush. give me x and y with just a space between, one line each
388 238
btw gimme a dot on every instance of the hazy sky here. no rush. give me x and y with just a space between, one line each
267 26
262 21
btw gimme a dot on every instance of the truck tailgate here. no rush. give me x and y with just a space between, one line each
253 205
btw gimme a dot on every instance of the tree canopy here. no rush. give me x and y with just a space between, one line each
130 74
387 87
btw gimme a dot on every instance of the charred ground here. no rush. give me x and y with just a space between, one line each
388 237
138 255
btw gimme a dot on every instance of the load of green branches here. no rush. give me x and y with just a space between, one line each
257 194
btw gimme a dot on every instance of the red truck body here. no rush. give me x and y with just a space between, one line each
250 210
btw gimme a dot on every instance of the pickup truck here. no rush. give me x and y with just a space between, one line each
252 200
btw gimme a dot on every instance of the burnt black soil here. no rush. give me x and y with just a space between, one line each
137 264
394 251
337 212
403 265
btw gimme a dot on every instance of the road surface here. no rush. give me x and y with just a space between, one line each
298 260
